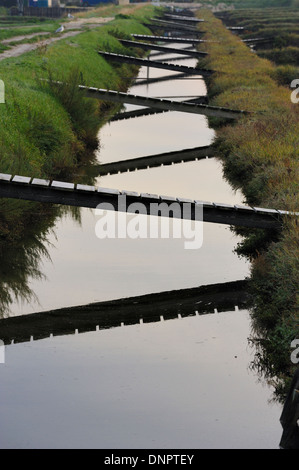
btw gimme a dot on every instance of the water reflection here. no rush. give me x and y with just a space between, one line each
20 262
128 311
175 384
85 269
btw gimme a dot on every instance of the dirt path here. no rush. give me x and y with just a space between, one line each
21 38
79 23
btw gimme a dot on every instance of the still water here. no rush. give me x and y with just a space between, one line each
182 383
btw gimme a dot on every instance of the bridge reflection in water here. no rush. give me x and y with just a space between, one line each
168 305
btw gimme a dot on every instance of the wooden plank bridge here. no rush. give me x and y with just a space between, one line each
151 111
78 195
159 103
184 19
171 25
171 58
235 28
174 30
165 78
156 64
257 40
186 48
155 47
168 39
148 308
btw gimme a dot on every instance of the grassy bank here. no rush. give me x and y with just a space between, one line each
217 5
47 131
260 157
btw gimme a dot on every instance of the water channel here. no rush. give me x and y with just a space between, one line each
181 383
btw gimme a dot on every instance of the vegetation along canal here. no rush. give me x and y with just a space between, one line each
162 372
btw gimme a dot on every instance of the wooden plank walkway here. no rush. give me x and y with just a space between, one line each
210 299
171 50
154 53
78 195
185 19
169 39
150 111
166 158
172 58
174 26
155 64
257 40
157 103
170 30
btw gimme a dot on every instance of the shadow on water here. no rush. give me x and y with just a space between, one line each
223 297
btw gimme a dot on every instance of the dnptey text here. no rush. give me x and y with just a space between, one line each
150 459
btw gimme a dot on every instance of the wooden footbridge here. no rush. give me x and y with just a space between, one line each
165 22
156 64
172 25
176 304
150 111
183 19
79 195
157 47
253 41
166 78
168 39
172 58
175 30
159 103
154 52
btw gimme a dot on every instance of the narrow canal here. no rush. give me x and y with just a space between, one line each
181 383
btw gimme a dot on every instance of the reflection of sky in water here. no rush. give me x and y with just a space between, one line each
93 270
149 135
174 384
